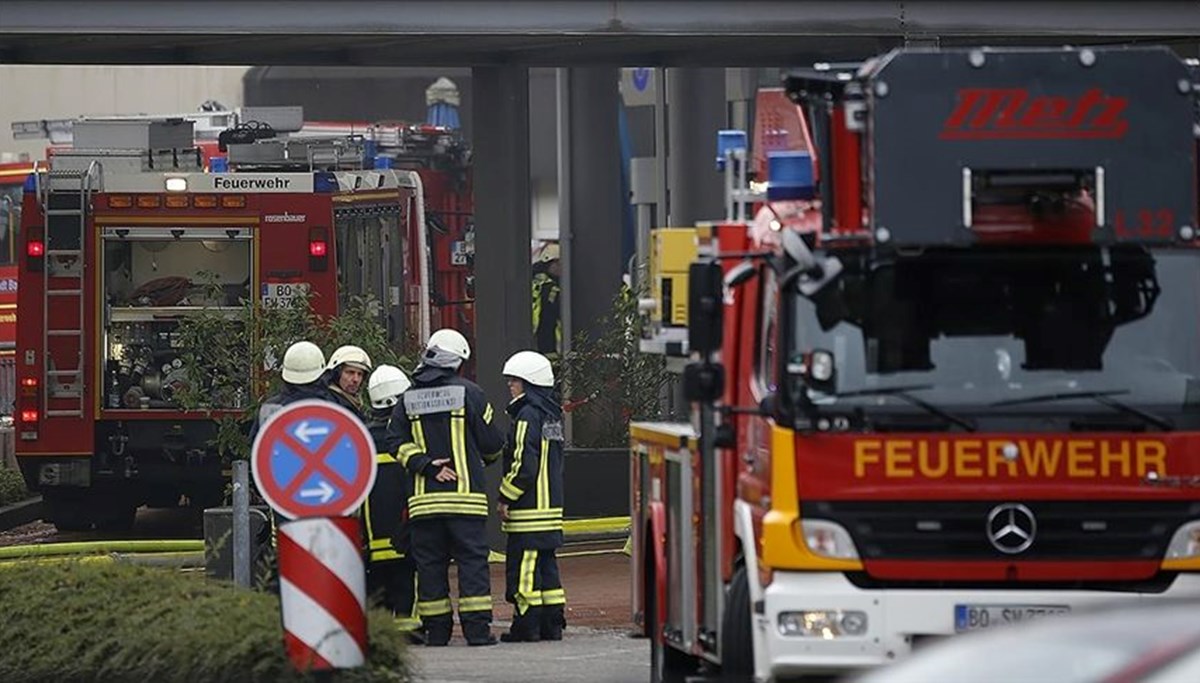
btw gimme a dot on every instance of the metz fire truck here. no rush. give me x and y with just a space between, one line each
117 242
947 378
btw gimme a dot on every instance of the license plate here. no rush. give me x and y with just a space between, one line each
281 293
979 617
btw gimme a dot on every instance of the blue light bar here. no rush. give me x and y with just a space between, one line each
791 176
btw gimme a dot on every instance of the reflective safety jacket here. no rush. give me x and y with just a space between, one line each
443 416
547 316
384 512
533 470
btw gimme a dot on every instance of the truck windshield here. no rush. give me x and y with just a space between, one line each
1010 330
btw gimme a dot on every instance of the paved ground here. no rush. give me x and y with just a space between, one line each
584 655
596 646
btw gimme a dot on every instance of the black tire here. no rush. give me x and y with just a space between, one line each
68 513
116 517
667 665
737 643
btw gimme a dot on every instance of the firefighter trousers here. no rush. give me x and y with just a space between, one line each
435 541
534 587
393 583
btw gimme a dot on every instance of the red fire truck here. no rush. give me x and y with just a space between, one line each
12 180
948 376
116 239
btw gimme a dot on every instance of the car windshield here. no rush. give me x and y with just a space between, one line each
1022 330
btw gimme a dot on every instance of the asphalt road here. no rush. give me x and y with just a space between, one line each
584 655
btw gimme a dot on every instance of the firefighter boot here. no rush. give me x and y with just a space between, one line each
552 623
437 632
525 627
478 634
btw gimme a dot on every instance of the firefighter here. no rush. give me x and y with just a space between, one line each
345 374
390 570
547 291
531 501
444 429
303 365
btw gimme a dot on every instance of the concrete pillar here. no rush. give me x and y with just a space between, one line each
590 201
503 309
696 110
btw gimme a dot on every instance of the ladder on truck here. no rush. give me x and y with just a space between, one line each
65 196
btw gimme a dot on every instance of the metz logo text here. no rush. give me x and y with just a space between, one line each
1015 114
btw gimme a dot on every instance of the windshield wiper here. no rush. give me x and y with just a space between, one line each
902 393
1101 397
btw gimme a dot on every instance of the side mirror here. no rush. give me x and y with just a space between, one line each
812 273
703 382
819 370
706 301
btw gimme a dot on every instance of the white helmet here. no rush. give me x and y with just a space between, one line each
531 367
303 363
385 386
352 356
450 341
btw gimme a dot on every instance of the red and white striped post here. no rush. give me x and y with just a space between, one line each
322 587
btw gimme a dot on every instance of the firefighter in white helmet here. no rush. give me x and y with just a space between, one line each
391 572
446 436
345 375
303 365
531 500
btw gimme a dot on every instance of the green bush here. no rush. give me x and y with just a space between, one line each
12 487
83 623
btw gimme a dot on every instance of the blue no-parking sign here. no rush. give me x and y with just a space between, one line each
313 459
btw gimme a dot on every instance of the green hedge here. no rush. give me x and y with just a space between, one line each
82 623
12 487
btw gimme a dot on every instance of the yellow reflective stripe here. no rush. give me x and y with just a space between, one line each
487 414
366 509
419 437
530 527
507 487
549 513
407 451
385 458
458 444
475 603
380 543
554 596
407 623
382 555
543 481
433 608
447 509
448 497
524 593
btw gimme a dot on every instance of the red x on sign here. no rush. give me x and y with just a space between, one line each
313 459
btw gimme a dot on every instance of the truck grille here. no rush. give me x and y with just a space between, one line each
958 530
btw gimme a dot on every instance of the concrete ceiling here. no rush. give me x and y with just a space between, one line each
556 32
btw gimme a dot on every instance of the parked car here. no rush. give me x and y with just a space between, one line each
1146 642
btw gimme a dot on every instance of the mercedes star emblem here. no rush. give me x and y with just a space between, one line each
1011 528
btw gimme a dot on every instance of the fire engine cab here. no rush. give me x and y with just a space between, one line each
946 375
124 235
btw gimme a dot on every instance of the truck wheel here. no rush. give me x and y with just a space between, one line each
116 517
737 645
68 513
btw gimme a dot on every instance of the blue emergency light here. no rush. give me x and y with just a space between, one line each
218 164
729 141
791 176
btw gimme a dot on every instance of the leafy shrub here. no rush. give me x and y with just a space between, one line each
12 487
608 381
233 360
84 623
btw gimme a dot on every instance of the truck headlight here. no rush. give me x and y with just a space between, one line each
826 624
1185 543
828 539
